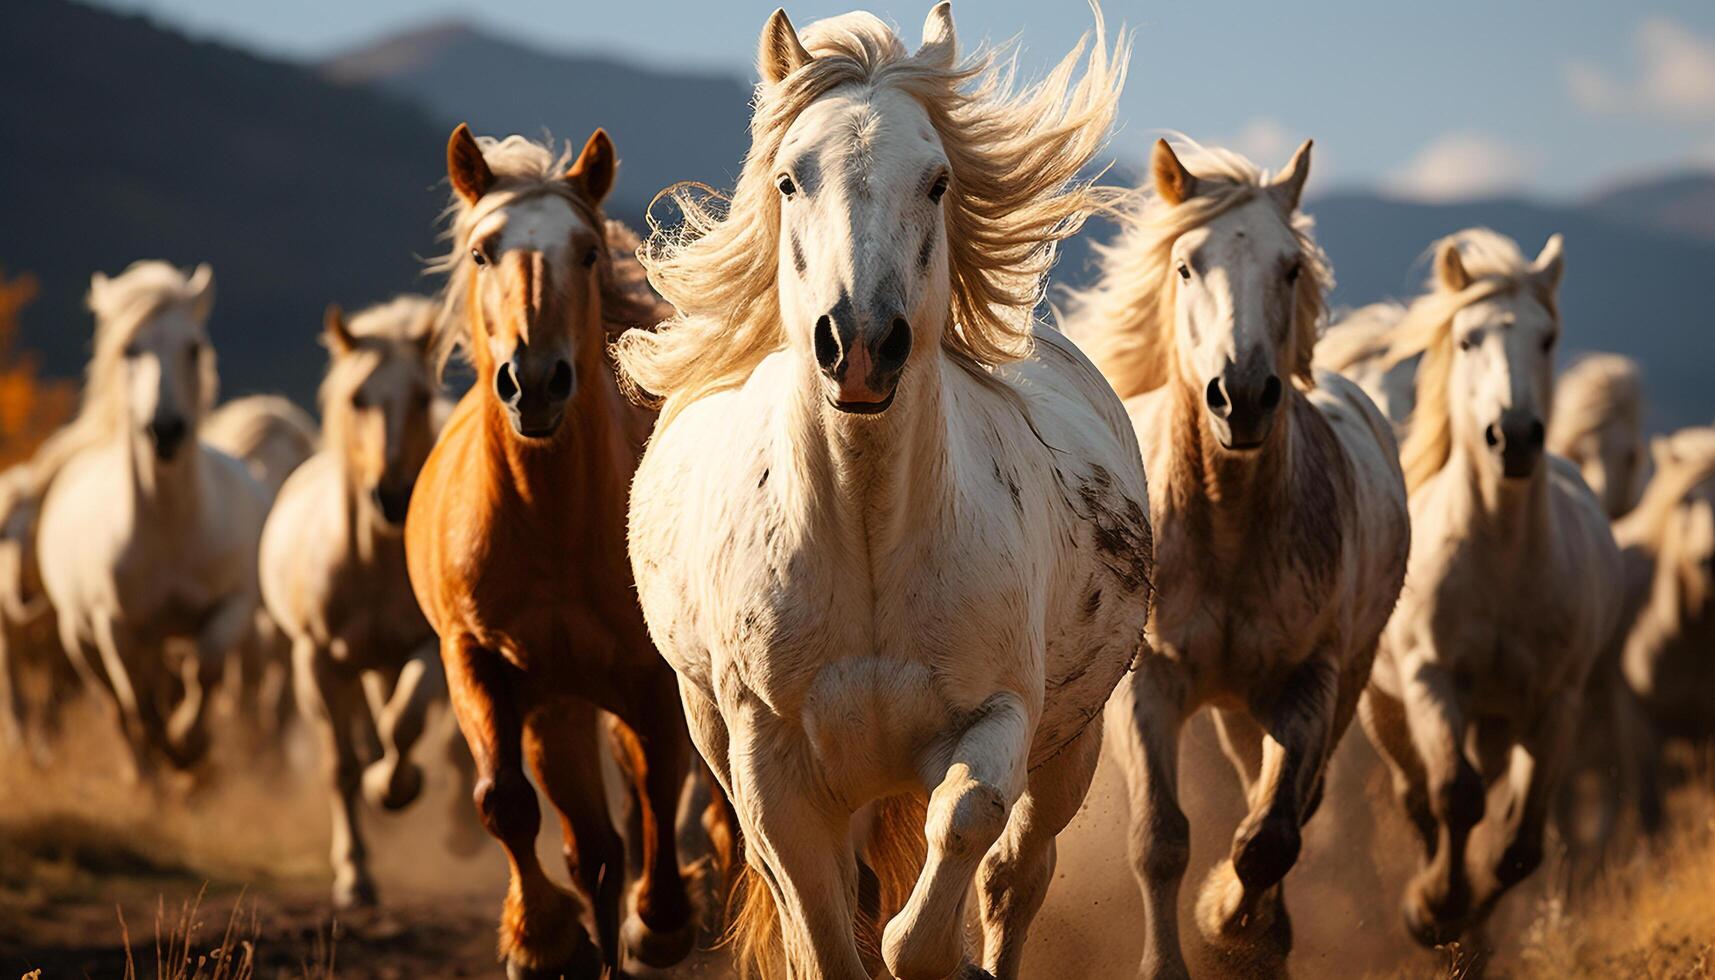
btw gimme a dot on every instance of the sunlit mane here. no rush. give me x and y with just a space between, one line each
400 327
1014 156
524 168
1593 391
1125 321
1495 266
1689 460
1359 336
121 306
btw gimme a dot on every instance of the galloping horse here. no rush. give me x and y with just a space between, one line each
892 536
516 549
1356 347
270 434
1599 427
1280 518
333 569
147 534
1512 588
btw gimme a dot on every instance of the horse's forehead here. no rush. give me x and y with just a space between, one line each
1515 311
172 321
540 222
862 126
1251 231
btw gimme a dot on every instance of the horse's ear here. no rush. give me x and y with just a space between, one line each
1172 181
201 288
1550 263
780 53
466 166
1661 451
594 169
336 333
940 46
1288 188
1450 268
97 288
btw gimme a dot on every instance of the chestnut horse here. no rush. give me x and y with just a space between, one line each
515 544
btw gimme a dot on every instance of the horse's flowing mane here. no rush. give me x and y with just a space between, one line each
122 305
1592 391
1495 266
1359 336
1686 460
1125 321
1014 153
524 168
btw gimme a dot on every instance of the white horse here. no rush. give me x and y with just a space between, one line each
1512 588
1599 427
1356 346
270 434
147 535
333 569
893 538
1280 519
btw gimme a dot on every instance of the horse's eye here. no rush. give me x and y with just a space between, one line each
786 186
1184 272
132 350
589 258
1464 343
938 190
359 399
1548 343
1292 271
479 258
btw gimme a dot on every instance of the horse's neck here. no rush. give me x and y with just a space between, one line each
875 475
1512 513
1233 490
169 491
367 537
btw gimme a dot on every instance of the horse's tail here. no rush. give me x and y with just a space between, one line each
893 858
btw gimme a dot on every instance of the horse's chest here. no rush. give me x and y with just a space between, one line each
373 617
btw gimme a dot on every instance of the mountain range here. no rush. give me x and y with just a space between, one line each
305 183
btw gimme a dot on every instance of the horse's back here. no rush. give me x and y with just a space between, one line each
269 434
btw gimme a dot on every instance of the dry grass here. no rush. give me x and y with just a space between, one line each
1653 917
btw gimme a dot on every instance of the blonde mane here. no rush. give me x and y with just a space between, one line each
122 305
1593 391
1014 156
1496 266
1359 336
524 168
1125 321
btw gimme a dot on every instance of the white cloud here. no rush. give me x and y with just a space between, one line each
1676 75
1265 141
1459 166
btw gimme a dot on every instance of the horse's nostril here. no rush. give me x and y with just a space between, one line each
827 347
560 385
1492 435
506 383
1216 397
1271 393
896 346
1537 433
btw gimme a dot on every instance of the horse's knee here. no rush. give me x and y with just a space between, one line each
1458 801
967 822
507 806
1161 846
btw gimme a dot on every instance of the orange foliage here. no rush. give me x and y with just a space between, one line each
31 407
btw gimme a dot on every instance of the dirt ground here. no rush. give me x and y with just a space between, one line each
80 851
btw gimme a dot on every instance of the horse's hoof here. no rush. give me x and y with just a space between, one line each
657 949
1221 912
392 787
584 964
358 893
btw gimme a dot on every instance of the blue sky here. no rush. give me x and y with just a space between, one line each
1437 100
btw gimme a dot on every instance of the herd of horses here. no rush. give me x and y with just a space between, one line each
802 520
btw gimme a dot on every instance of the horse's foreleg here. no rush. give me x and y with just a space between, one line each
1439 898
394 780
331 700
11 698
1014 877
222 633
561 744
1510 853
968 810
540 934
798 842
1384 721
1142 724
661 927
138 715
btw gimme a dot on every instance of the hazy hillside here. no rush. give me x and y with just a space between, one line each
1683 203
119 141
668 126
